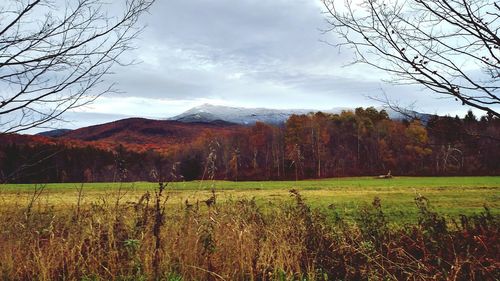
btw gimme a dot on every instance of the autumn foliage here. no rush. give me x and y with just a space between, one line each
317 145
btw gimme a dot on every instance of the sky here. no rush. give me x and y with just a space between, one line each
244 53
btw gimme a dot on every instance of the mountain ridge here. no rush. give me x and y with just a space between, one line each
206 115
249 116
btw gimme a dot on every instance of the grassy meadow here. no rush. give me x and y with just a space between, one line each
450 196
407 228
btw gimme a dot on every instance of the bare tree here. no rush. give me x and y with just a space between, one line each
451 47
54 55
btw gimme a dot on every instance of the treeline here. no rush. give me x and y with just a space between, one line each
363 142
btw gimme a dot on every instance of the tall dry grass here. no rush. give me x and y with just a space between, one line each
239 240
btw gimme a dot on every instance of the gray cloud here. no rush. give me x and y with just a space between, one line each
195 47
246 53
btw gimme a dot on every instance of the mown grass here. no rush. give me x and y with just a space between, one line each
349 182
450 196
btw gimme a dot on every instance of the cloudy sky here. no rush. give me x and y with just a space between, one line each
245 53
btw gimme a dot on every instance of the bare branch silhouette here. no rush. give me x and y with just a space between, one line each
451 47
55 59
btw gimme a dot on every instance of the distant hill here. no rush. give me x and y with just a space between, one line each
54 133
249 116
141 131
135 134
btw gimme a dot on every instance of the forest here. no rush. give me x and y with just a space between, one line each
317 145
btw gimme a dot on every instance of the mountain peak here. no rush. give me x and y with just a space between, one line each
239 115
248 116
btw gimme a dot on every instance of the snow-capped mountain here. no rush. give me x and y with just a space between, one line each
248 116
239 115
214 116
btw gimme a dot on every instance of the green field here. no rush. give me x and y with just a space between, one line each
450 196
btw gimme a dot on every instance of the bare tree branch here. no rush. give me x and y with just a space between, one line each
53 60
451 47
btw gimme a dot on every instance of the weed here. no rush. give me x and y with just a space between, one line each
241 239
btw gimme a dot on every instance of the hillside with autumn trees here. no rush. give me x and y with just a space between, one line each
315 145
